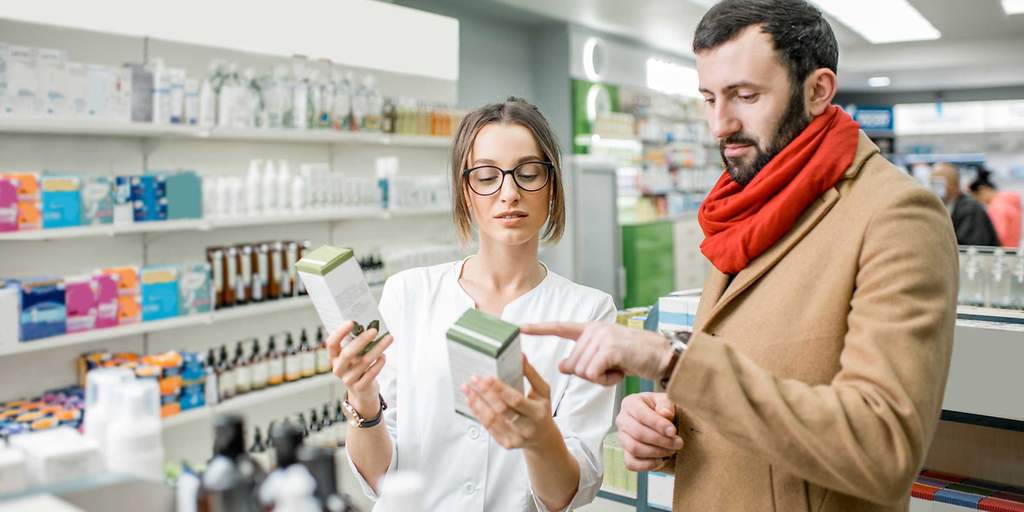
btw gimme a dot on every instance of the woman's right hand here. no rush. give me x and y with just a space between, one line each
359 372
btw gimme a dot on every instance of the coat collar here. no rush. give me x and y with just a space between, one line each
719 291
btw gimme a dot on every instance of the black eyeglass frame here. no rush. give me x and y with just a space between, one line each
504 172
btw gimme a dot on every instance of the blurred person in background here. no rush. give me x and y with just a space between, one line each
1003 207
971 222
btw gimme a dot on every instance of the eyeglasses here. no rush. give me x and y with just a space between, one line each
530 176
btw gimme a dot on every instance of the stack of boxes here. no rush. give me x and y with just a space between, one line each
59 407
48 200
32 309
616 476
181 376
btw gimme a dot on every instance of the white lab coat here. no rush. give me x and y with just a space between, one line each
464 468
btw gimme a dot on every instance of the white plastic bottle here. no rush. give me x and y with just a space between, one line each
284 181
299 194
300 97
100 402
223 196
252 187
237 197
269 198
134 444
208 100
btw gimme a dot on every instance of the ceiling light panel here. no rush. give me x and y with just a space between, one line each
881 21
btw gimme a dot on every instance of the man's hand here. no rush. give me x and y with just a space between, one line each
605 353
647 432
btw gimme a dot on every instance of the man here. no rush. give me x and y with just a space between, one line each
814 377
1003 207
970 221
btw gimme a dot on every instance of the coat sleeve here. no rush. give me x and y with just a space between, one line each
866 433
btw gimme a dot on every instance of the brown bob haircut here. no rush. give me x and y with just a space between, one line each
512 111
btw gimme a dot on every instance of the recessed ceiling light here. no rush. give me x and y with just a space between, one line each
879 81
1013 6
882 21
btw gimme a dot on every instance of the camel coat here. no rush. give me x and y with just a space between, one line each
815 376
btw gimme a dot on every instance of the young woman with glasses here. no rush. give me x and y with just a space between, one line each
535 451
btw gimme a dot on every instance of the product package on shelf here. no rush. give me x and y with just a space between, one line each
149 198
184 195
43 311
481 344
676 312
129 294
30 214
105 287
194 285
55 408
159 292
62 201
124 212
80 298
97 200
616 476
8 204
22 81
180 375
10 311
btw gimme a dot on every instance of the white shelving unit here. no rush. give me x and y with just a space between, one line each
110 230
249 400
219 316
96 128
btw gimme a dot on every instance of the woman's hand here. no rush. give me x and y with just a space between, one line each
356 370
513 419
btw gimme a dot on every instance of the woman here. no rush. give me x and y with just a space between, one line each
1003 208
538 451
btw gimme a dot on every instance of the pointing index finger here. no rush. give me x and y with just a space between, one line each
567 330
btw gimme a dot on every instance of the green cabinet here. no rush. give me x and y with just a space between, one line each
648 255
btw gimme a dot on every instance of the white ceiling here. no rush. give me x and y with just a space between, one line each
980 46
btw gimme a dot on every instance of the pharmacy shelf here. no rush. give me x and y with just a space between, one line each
248 400
1009 316
47 126
223 315
110 230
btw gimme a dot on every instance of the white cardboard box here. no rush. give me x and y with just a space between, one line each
58 455
338 289
52 78
22 81
10 309
480 344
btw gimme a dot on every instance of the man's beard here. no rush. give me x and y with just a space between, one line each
793 121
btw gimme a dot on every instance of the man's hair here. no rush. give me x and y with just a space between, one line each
803 38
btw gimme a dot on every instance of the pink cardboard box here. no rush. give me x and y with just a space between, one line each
80 300
105 288
8 205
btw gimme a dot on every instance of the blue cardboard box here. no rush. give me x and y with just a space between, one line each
149 197
62 201
159 293
43 311
184 196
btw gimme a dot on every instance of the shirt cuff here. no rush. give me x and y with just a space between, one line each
363 484
591 475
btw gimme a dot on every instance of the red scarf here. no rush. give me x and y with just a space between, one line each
741 223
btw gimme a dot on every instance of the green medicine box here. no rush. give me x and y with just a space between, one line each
483 345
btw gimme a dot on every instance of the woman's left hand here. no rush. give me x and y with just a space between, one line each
513 419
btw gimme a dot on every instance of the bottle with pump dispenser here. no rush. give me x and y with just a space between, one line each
253 190
231 479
